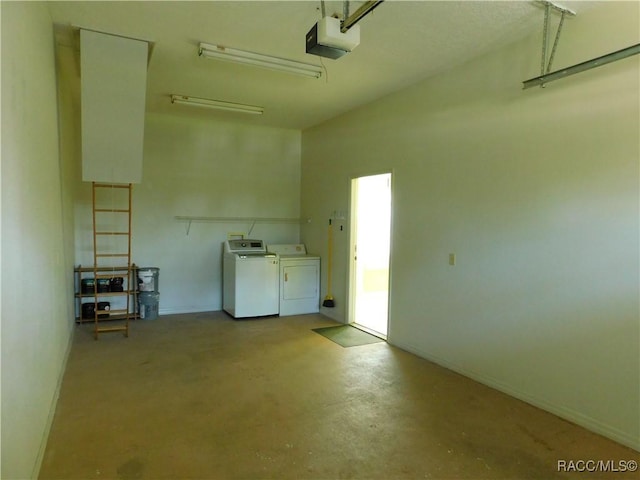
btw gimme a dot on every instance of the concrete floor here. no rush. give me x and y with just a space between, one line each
202 396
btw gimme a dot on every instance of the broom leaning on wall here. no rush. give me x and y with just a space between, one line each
328 300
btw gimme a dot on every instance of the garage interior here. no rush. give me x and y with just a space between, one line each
513 336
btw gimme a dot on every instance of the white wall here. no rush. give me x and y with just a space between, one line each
204 168
536 192
36 295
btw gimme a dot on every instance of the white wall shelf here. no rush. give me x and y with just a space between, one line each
250 220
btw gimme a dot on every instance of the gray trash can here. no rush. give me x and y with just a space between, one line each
148 305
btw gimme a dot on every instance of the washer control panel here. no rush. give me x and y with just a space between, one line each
245 246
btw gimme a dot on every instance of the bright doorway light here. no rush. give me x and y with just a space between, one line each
370 247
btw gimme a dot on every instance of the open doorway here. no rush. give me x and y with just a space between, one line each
370 247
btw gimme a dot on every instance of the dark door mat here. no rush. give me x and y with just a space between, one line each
347 336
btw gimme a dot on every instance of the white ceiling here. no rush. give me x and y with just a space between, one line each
401 43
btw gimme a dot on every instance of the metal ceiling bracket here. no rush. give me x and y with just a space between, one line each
545 67
581 67
350 20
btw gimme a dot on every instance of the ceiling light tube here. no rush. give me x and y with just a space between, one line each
217 104
218 52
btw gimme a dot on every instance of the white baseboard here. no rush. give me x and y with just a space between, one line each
573 416
189 309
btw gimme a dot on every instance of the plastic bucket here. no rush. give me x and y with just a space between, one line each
87 285
103 285
89 309
148 279
116 284
148 305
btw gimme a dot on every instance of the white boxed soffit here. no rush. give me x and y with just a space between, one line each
114 84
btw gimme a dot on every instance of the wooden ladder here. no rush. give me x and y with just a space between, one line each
112 253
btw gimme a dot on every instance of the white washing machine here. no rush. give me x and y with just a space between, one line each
299 279
250 279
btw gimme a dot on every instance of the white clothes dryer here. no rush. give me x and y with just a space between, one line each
299 279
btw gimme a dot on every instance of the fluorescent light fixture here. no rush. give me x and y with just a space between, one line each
218 52
217 104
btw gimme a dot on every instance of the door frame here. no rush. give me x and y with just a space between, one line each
351 270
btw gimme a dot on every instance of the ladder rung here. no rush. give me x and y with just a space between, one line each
109 185
112 255
112 274
112 210
111 329
112 233
112 312
104 268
